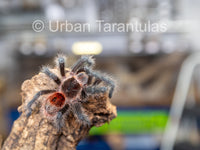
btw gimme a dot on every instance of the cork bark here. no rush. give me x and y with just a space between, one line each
38 133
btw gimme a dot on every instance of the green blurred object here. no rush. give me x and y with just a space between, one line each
134 122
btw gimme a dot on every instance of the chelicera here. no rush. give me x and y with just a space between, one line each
73 88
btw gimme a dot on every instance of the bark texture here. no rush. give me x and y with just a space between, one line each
37 133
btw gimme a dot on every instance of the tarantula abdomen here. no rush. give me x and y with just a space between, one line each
54 103
57 99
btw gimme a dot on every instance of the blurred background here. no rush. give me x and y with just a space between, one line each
158 84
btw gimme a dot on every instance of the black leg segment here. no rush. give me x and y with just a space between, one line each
100 76
83 94
90 80
97 81
61 117
51 75
79 114
84 60
61 62
95 90
59 121
37 95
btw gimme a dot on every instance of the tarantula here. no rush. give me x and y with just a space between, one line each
72 90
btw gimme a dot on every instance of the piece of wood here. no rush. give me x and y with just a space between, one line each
37 133
1 140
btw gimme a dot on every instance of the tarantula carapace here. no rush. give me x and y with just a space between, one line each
72 90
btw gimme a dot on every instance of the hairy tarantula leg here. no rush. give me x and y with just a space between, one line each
84 60
89 80
59 121
83 94
96 90
61 62
51 75
101 77
37 95
97 81
79 114
59 118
